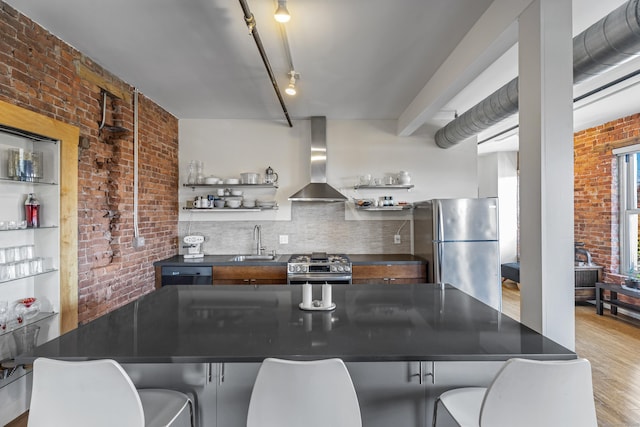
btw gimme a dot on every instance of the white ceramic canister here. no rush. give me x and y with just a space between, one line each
404 178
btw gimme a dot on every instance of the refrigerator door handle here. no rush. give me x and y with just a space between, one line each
439 229
439 249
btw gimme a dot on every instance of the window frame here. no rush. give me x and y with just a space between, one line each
628 161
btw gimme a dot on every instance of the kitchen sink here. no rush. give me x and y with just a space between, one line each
240 258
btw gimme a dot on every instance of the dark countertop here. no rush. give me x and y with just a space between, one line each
356 259
368 259
205 324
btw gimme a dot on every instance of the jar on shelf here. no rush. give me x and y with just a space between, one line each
32 211
404 178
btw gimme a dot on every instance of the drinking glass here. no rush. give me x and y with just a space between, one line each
23 268
4 315
36 266
26 338
12 254
26 252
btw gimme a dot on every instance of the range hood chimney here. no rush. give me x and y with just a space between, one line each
318 190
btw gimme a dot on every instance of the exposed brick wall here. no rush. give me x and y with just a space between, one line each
38 72
596 192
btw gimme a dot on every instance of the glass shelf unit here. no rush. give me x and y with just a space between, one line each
43 227
50 270
13 326
17 181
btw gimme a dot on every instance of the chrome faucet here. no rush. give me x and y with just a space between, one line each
257 236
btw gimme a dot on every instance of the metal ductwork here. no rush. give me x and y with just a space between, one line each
606 44
318 190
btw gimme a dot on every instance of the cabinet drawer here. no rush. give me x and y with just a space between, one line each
278 274
387 271
248 281
388 281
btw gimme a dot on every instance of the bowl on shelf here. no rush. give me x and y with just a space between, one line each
212 180
232 181
219 203
234 203
250 178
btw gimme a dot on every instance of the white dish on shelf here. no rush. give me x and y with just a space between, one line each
266 203
232 181
212 180
234 203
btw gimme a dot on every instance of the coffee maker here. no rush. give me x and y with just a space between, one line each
193 246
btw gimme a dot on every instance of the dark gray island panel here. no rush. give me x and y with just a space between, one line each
403 344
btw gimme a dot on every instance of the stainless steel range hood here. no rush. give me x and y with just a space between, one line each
318 190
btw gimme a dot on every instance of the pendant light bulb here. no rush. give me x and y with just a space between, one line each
291 89
282 14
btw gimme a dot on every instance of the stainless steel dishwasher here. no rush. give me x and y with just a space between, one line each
187 275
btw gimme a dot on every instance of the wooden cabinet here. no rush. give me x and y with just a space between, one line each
250 275
389 273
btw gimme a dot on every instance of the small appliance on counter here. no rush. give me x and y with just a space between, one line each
193 246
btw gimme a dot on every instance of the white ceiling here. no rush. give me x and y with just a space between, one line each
357 59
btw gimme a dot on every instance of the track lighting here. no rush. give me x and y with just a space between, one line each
282 14
291 89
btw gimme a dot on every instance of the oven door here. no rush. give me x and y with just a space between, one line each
319 279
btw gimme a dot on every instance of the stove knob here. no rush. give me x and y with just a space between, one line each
298 268
305 268
340 268
347 268
291 269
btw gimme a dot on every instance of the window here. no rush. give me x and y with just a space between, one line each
629 186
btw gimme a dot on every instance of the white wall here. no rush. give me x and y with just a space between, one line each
498 177
355 147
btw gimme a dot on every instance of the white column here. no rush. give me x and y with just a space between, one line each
546 170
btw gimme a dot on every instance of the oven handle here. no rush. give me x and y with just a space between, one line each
316 278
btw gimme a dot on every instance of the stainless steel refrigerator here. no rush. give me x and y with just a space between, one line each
459 239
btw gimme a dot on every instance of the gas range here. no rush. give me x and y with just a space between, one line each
319 267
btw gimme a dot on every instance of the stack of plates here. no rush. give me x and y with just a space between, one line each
266 203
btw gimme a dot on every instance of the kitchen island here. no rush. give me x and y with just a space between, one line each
403 344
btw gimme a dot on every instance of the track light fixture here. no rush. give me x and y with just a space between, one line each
282 14
291 89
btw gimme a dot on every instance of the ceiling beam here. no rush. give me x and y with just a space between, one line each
491 36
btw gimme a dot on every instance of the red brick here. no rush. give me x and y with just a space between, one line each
37 72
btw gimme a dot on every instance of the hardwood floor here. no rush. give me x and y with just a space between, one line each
612 345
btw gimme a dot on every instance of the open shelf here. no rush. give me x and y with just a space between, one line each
256 209
385 187
29 275
384 208
194 186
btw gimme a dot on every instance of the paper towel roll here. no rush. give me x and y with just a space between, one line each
326 295
307 293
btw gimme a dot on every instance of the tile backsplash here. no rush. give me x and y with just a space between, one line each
313 227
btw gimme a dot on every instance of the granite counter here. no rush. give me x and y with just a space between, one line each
375 323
